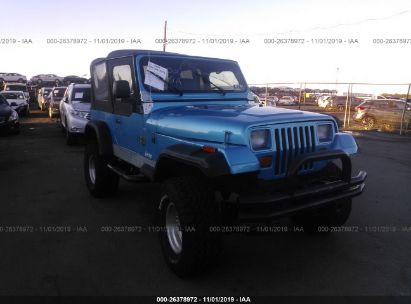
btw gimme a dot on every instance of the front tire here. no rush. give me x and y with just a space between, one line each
188 214
100 180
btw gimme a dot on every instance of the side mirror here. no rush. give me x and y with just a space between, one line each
121 89
65 99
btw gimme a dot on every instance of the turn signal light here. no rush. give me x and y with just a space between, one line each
208 149
265 161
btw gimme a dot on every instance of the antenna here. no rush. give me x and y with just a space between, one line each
165 36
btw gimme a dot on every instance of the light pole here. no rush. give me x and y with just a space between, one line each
336 78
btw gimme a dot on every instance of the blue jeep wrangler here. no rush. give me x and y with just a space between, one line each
190 123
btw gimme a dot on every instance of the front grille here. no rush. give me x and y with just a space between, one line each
290 143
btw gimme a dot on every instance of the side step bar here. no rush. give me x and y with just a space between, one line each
136 178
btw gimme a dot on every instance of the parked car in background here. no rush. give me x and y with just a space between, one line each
10 86
12 77
272 101
42 98
286 101
32 90
17 101
388 113
74 79
9 119
47 78
54 99
75 110
323 101
339 102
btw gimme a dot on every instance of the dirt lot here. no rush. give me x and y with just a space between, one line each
42 188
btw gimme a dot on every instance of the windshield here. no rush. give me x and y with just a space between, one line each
46 92
16 88
81 95
179 75
13 96
59 92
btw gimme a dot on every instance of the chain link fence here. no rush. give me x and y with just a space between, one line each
355 106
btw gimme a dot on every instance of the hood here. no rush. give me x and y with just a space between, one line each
82 106
17 101
209 122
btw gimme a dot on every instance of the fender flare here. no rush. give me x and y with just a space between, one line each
210 164
99 130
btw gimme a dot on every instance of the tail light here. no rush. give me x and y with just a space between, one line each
359 108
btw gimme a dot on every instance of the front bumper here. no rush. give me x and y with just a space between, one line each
358 116
22 109
77 124
55 111
296 197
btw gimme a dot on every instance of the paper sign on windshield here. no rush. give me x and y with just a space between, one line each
155 75
78 95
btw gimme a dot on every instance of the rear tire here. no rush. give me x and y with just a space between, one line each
100 180
368 122
188 211
321 220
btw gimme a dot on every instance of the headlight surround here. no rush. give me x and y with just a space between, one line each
260 139
79 113
14 116
325 133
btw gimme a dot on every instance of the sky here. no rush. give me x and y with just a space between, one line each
212 22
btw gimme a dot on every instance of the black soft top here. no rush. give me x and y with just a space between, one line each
135 52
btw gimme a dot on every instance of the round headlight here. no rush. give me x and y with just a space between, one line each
325 133
260 139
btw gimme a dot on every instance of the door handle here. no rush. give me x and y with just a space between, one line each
118 121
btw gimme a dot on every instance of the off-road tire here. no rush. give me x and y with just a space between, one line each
321 220
105 181
198 213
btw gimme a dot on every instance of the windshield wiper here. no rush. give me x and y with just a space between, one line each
216 86
169 84
205 79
